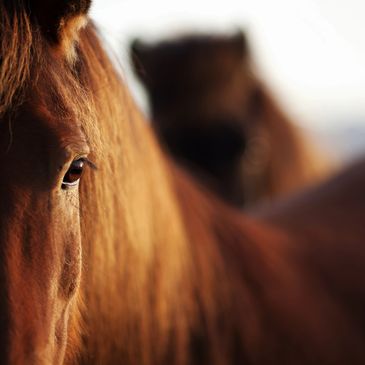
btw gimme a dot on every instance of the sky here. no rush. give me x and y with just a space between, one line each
310 52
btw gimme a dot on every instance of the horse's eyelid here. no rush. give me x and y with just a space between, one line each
90 163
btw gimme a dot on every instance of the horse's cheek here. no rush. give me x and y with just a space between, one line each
71 253
40 270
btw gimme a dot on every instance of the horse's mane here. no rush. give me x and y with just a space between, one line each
154 277
134 240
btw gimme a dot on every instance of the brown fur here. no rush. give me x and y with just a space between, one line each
170 275
218 119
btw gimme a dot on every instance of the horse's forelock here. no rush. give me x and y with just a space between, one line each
16 54
23 48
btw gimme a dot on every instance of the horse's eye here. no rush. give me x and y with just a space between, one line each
73 174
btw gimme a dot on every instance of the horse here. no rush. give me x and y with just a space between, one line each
220 121
112 254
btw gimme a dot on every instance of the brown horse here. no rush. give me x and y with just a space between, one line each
169 275
220 121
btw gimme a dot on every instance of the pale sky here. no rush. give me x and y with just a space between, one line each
311 52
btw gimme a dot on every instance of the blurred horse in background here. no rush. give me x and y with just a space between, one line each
218 119
110 254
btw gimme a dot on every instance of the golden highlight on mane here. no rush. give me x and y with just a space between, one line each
129 255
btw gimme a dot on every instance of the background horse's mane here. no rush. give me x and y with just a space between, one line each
285 159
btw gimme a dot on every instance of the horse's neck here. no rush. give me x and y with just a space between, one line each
295 161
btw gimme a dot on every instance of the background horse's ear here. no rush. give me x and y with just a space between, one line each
240 43
54 16
139 55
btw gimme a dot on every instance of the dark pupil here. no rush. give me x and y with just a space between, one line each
74 172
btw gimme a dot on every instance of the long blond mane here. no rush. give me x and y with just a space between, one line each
153 275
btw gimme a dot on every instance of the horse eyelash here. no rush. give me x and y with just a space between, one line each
90 163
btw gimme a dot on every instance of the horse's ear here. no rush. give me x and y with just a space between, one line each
139 55
59 20
240 43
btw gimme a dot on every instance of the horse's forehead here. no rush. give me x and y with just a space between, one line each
66 126
60 133
212 67
195 52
